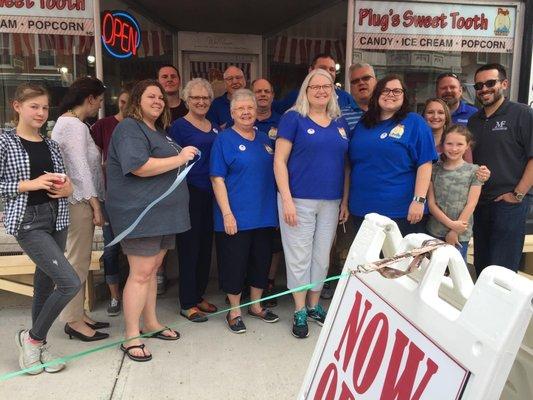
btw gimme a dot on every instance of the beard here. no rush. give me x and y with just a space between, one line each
497 96
451 102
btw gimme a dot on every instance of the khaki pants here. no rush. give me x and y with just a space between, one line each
78 253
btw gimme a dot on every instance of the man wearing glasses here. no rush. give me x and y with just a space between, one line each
362 83
219 114
503 133
448 87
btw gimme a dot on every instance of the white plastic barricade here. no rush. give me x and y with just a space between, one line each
422 336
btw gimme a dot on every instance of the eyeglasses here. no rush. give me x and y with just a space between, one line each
395 92
489 84
234 78
365 79
316 88
198 98
242 110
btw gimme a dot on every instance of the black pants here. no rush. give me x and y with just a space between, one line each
194 249
244 257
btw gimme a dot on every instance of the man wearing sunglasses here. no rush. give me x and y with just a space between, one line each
503 137
448 88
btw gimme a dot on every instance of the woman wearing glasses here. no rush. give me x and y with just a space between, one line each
391 154
310 172
194 245
245 212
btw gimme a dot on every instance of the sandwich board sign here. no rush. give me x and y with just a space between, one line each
421 336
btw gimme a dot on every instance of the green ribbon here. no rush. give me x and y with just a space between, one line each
84 353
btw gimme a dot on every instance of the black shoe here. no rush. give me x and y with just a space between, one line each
265 315
78 335
236 325
98 325
270 303
300 329
327 291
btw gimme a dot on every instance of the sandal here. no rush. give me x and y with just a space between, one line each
193 314
142 358
207 307
160 335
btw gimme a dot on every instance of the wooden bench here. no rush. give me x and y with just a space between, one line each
16 275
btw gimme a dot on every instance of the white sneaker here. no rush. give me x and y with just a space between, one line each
29 353
46 356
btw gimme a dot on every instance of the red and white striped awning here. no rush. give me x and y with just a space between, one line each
211 70
294 50
155 43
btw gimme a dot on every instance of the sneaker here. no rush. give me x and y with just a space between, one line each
300 329
236 325
113 309
161 284
29 353
317 314
265 315
46 356
327 291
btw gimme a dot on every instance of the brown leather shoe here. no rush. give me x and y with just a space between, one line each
207 307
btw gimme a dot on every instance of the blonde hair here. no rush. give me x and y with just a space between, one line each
301 106
133 108
25 92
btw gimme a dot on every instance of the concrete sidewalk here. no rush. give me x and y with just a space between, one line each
208 362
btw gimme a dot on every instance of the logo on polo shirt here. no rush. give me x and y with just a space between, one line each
273 133
215 130
500 126
342 132
269 149
383 135
311 131
169 138
242 147
397 131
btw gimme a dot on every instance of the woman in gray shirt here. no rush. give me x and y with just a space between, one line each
142 164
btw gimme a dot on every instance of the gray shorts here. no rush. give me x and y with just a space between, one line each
148 246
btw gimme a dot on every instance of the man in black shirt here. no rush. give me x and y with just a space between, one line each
503 142
169 77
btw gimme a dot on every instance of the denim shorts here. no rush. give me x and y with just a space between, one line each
148 246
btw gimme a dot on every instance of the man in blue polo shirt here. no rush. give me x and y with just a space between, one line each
327 63
448 88
266 119
219 113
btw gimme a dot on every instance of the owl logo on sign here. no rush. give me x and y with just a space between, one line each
502 22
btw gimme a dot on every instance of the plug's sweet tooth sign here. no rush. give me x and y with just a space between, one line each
385 25
373 352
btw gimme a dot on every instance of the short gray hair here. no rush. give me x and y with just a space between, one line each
356 66
302 103
197 82
242 94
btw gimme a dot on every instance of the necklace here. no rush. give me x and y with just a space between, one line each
74 113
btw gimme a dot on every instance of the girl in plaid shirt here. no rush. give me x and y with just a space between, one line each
34 187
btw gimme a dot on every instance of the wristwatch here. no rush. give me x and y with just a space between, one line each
518 196
419 199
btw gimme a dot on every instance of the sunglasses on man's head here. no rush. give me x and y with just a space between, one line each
489 84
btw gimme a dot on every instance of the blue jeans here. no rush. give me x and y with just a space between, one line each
110 256
499 230
55 282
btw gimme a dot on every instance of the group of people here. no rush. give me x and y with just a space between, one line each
267 176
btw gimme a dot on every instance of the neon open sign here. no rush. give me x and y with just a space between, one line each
121 34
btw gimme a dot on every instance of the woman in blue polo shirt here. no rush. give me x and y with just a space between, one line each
391 154
194 245
245 212
309 165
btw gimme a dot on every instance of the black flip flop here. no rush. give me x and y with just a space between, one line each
142 358
159 335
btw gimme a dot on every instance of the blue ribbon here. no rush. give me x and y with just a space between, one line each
172 187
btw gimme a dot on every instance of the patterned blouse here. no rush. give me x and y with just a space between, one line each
15 167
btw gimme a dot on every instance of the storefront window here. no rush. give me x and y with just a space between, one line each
420 41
